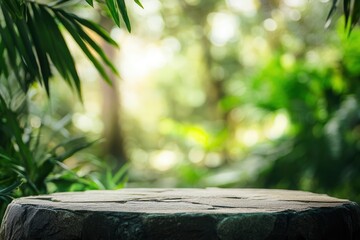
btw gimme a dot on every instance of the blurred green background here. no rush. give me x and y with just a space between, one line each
232 93
236 94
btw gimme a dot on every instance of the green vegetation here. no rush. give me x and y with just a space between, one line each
33 146
232 94
269 98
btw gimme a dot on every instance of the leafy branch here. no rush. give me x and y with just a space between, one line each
351 11
32 41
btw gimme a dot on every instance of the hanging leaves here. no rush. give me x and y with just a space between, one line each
351 11
32 41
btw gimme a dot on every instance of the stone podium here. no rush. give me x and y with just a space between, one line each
252 214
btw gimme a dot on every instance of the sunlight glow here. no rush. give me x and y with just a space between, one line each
137 55
87 123
295 3
248 137
270 25
223 28
35 121
279 126
244 6
213 160
163 160
293 14
196 155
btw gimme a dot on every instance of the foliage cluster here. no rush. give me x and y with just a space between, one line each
270 106
321 103
33 49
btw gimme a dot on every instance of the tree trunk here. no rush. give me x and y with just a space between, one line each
113 147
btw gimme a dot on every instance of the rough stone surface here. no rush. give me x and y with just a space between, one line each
252 214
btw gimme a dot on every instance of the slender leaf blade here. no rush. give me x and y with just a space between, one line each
90 2
355 16
75 34
113 8
139 3
124 14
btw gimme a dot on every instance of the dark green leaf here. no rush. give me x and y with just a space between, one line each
75 34
331 13
347 6
42 57
90 25
123 11
113 8
120 174
7 190
139 3
76 24
90 2
71 146
57 48
96 47
10 50
355 16
30 60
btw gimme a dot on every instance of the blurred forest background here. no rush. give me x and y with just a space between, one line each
232 93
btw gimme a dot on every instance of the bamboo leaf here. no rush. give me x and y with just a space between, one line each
123 11
90 25
92 43
28 45
76 145
139 3
10 50
355 16
113 8
47 40
121 173
3 64
7 190
60 53
331 13
74 33
347 5
90 2
15 8
42 57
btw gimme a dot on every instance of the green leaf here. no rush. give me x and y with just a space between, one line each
92 26
15 8
347 10
355 14
90 2
56 47
138 3
71 146
75 34
47 39
331 13
7 190
42 57
121 173
3 65
123 11
113 8
10 50
92 43
27 43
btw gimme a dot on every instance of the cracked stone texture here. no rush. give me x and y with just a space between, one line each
252 214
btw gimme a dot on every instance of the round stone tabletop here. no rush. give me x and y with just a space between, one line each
182 214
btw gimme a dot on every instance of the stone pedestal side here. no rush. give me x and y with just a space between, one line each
251 214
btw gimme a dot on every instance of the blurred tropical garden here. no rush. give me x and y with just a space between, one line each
187 93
